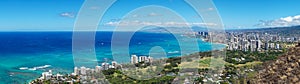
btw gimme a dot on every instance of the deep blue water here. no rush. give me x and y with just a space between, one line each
32 49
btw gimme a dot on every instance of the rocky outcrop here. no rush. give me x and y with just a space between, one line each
284 70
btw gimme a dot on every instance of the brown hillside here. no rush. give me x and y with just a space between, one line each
284 70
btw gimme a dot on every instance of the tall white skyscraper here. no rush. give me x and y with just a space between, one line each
76 71
82 70
134 59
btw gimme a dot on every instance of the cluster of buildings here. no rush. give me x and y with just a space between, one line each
250 41
136 59
87 75
82 74
87 71
48 75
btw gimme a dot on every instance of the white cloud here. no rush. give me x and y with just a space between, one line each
164 24
287 19
112 23
67 14
281 22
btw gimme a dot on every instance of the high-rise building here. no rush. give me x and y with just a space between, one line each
253 45
143 58
82 70
88 71
47 75
105 66
150 59
50 72
258 45
277 46
98 69
266 46
76 71
134 59
272 45
114 64
58 76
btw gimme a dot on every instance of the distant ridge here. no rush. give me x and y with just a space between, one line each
270 29
156 29
286 30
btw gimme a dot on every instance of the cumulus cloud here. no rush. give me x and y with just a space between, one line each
281 22
67 14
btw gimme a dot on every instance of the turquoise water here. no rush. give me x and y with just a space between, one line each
34 49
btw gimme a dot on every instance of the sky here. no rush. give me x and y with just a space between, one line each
60 15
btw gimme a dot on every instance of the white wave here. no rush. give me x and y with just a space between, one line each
42 67
35 68
173 52
23 68
32 69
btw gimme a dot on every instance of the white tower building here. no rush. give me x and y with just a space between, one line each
134 59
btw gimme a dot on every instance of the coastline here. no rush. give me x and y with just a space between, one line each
186 55
200 54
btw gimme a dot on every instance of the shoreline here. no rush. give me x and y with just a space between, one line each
186 55
192 55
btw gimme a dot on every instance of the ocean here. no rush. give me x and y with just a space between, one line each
25 55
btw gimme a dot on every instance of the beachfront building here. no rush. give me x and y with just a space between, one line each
105 66
82 70
114 64
76 71
143 58
59 76
98 69
47 75
134 59
150 59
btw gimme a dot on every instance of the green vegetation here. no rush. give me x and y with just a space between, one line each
239 67
116 77
236 57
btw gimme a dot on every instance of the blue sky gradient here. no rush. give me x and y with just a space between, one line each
57 15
